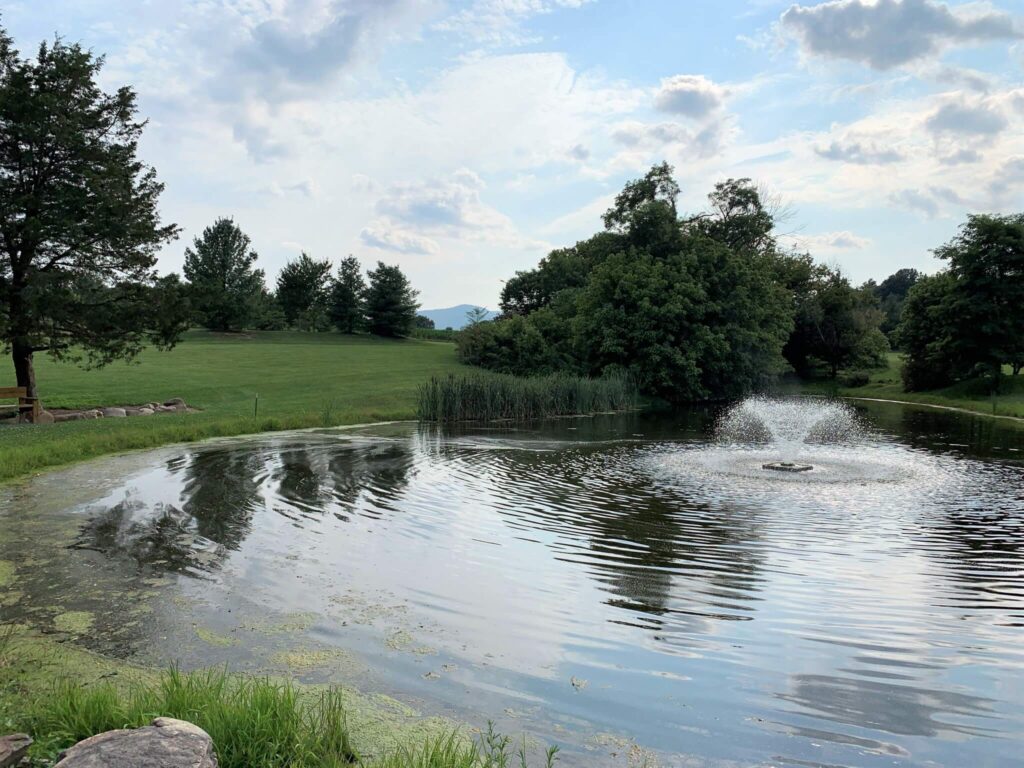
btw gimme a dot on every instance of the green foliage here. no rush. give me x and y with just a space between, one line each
836 324
656 187
347 297
79 227
514 346
892 293
855 379
691 309
424 323
226 291
967 323
926 334
490 396
434 334
302 291
489 750
390 302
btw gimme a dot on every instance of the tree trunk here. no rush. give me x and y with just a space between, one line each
23 370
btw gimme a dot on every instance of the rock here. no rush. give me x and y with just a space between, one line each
13 748
177 403
165 409
95 413
167 743
45 417
72 416
147 411
114 413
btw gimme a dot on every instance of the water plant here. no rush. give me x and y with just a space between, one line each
492 396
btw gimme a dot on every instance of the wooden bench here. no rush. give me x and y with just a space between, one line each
26 406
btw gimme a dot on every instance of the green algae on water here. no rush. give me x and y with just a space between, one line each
6 573
212 638
73 622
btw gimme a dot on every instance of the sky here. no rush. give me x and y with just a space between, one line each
464 139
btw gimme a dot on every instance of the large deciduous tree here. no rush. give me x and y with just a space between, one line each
226 290
347 299
390 302
303 286
79 227
986 261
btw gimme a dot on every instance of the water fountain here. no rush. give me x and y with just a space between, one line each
788 426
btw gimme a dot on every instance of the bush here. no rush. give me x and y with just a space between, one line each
482 396
856 379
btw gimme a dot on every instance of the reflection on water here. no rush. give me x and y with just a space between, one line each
707 613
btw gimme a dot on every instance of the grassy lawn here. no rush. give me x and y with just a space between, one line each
301 379
886 384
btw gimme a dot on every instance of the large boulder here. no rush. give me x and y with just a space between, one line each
177 403
44 417
167 743
13 748
114 413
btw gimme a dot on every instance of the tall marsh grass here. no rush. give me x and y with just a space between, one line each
494 396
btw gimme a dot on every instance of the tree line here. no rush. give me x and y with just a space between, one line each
227 292
710 306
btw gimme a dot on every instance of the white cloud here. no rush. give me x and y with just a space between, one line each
692 96
888 33
852 151
412 216
500 22
829 242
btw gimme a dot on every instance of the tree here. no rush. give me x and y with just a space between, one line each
225 288
656 187
302 290
476 315
891 294
390 302
684 308
424 323
836 324
79 227
926 334
738 217
986 262
347 308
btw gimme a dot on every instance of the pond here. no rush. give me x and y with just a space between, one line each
613 585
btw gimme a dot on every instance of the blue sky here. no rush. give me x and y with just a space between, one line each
465 139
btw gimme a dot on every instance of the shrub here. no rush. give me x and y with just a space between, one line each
856 379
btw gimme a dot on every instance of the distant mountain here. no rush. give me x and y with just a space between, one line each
452 317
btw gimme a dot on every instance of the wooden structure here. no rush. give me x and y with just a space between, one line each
27 408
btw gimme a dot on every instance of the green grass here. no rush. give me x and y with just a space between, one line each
886 384
254 721
481 396
301 380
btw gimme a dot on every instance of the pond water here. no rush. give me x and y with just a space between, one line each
613 585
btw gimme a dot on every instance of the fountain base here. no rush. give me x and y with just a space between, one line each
787 466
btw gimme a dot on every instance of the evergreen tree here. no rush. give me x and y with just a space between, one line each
347 306
79 227
226 290
302 291
390 302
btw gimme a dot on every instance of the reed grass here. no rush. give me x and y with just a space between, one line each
480 396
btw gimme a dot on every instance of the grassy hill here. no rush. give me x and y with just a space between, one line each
301 379
886 384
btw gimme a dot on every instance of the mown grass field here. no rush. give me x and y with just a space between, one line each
301 379
885 384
